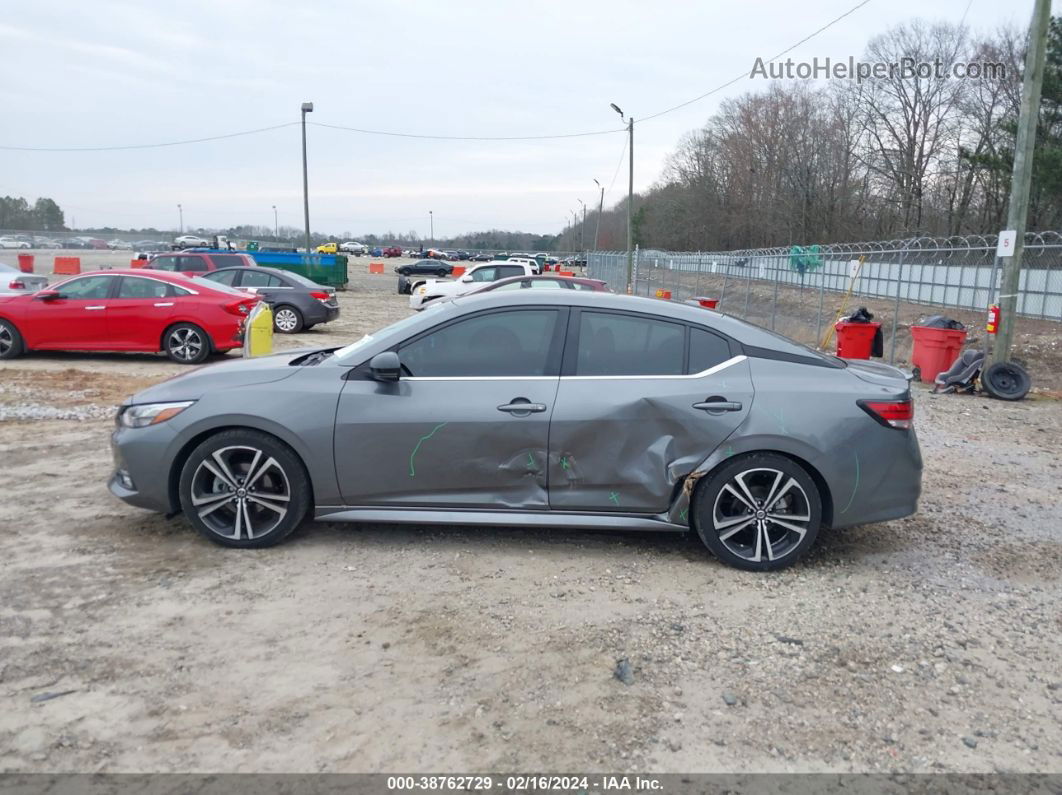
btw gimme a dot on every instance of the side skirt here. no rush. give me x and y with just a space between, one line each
602 521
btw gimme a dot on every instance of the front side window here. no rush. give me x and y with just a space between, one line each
191 263
499 344
90 288
616 344
136 287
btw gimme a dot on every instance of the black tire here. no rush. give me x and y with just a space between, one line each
442 274
186 343
720 499
222 509
287 319
308 326
1006 381
11 344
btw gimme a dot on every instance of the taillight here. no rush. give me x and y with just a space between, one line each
893 413
238 308
16 285
323 297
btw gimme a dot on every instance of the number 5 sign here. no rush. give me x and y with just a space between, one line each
1005 246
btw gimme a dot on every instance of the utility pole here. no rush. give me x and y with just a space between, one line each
180 220
307 107
276 225
1021 179
630 199
431 229
575 223
600 209
582 229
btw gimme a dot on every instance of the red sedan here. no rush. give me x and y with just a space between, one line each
127 310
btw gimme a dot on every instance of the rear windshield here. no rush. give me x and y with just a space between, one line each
787 345
219 287
298 278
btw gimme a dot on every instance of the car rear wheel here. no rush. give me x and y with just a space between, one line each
758 512
11 344
244 488
441 273
186 343
287 320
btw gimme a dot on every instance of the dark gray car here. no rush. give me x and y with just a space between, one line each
298 304
547 409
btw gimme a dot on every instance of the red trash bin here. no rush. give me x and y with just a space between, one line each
706 302
935 350
25 263
855 340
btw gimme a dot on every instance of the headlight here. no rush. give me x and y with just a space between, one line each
150 413
422 290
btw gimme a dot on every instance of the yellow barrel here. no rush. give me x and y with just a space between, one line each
259 335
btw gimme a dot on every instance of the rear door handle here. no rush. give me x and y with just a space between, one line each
91 308
523 408
718 405
165 303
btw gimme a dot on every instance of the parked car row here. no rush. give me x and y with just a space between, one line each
187 305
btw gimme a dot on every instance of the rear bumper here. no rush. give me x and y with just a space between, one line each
321 313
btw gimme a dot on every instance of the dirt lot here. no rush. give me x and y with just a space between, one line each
129 643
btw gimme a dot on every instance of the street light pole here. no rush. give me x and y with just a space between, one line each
307 107
575 223
630 199
276 225
600 208
582 229
180 217
431 228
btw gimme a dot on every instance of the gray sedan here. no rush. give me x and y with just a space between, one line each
298 304
534 408
15 282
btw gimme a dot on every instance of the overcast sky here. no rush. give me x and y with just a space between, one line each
121 72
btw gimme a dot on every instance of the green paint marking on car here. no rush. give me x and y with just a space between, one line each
684 513
564 463
855 488
530 460
422 440
614 497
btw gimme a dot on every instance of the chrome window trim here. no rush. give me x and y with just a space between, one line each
704 373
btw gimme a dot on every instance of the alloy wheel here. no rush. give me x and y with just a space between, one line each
286 320
186 343
240 492
7 340
761 514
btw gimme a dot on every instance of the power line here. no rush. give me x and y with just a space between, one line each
145 146
467 137
623 151
744 75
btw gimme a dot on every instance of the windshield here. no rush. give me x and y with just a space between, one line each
398 326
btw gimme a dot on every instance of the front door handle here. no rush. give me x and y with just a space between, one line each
92 308
718 404
167 303
522 407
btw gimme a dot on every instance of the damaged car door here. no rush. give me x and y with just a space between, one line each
642 401
465 423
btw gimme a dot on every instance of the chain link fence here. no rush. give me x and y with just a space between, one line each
802 291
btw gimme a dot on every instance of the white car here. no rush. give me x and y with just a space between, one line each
15 282
11 242
353 247
190 241
536 268
423 293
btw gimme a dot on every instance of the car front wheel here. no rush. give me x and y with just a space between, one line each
186 343
287 320
243 488
758 512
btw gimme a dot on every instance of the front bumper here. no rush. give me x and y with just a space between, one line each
141 476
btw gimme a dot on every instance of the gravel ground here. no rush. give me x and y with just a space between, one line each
129 643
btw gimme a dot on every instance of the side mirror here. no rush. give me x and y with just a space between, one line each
466 279
385 366
47 295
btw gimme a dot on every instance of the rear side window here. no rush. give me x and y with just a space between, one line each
513 344
615 344
228 260
136 287
706 350
190 263
258 278
505 271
